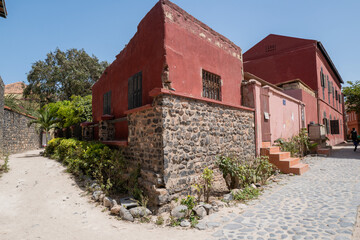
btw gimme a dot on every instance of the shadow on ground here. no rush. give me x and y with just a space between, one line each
346 151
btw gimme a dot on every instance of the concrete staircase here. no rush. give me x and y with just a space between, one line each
282 160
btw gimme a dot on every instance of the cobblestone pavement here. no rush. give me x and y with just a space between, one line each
321 204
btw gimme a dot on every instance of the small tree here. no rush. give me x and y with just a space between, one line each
352 96
44 121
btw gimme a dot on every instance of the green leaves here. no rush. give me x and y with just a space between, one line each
243 172
62 75
73 112
352 96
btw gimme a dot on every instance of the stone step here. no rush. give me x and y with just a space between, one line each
266 144
269 150
325 151
277 156
299 169
287 163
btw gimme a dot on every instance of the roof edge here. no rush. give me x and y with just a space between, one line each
200 23
328 59
3 14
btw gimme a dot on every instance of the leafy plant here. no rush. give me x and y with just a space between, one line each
230 170
159 220
243 172
193 220
189 202
105 165
208 178
44 121
199 189
298 146
246 194
174 222
5 166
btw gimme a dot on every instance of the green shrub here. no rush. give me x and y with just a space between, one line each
239 173
229 167
246 194
107 166
298 146
51 146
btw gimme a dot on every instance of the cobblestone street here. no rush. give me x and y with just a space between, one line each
321 204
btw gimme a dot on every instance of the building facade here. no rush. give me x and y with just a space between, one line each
172 101
279 59
353 121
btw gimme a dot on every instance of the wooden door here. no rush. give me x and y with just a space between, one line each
265 115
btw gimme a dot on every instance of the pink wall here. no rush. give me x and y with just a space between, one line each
285 120
310 102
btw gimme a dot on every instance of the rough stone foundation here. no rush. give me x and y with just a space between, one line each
178 137
106 131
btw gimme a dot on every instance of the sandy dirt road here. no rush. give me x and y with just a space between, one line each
39 200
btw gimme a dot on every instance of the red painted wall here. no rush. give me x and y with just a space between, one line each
168 34
282 65
145 52
192 46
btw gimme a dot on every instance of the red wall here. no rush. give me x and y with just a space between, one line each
286 66
145 52
192 46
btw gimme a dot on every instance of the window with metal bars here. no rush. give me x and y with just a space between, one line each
135 91
107 103
211 85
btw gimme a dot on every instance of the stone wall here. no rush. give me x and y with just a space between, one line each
178 137
17 136
2 87
195 132
145 149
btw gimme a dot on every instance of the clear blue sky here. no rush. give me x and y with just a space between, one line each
102 28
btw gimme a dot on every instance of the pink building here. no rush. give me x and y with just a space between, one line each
278 59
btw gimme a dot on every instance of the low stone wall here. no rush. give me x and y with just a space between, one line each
178 137
2 87
17 136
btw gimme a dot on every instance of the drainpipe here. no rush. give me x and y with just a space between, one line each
255 120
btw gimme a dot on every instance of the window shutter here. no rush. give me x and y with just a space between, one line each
334 126
104 103
135 91
130 93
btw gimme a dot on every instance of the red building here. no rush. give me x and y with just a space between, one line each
279 59
172 101
168 52
353 121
